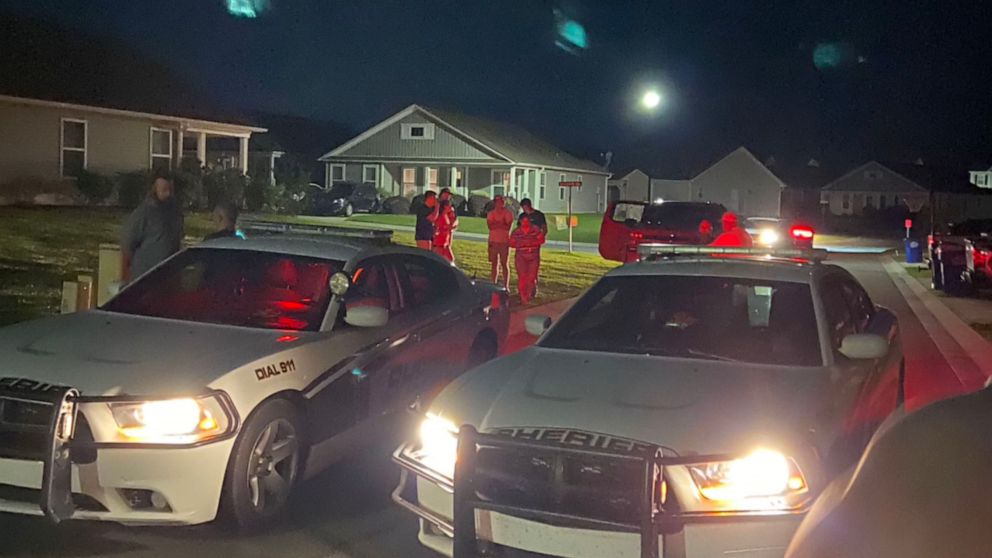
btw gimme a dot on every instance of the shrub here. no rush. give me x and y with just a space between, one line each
224 185
459 203
396 205
476 205
188 180
96 188
132 187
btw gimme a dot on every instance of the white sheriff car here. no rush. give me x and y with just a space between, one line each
225 375
692 404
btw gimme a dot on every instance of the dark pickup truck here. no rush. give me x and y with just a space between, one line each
961 257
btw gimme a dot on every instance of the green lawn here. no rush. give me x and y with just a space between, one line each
41 247
587 231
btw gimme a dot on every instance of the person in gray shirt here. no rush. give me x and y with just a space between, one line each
153 231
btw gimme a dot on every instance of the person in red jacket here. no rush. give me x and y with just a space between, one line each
733 234
445 223
526 241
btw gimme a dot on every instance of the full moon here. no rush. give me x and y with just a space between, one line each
651 99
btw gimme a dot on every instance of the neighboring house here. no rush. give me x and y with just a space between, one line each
982 179
630 185
875 186
52 142
739 181
423 148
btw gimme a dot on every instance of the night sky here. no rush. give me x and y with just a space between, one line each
841 81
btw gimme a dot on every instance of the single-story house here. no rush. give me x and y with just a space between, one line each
629 185
875 186
52 142
739 181
421 148
981 178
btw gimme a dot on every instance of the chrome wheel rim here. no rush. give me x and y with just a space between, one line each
272 466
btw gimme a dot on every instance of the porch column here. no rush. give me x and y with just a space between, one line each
201 148
243 153
178 154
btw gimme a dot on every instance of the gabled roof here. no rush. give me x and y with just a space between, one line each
625 174
504 141
749 155
909 177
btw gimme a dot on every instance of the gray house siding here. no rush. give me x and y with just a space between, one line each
445 146
671 190
742 184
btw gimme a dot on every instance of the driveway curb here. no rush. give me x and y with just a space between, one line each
972 345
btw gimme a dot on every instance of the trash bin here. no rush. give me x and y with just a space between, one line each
914 251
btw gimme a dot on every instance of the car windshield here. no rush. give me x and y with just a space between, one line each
234 287
341 190
681 215
710 318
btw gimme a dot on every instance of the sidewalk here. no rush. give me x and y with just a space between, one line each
518 337
968 354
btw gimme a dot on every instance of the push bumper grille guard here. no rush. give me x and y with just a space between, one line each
653 517
56 485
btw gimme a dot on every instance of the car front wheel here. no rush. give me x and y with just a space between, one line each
349 210
264 466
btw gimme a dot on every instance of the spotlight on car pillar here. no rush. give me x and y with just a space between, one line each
340 283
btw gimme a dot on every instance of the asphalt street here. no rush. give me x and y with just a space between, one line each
346 511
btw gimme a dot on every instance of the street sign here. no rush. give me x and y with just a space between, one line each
908 224
570 184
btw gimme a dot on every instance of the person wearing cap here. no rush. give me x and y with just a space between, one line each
733 234
526 241
226 220
499 220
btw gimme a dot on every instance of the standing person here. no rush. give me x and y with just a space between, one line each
424 232
226 219
733 234
445 223
499 221
535 216
705 231
526 241
153 231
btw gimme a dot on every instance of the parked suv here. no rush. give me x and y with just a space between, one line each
346 198
628 224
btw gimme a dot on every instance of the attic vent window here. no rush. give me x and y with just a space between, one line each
417 131
873 175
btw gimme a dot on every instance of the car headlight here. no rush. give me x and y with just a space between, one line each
763 480
438 445
171 421
768 237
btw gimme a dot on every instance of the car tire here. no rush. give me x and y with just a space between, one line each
349 210
936 276
952 281
484 349
264 467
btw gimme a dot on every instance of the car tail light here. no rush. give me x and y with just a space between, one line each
636 236
801 232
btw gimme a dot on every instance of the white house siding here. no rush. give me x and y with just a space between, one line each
866 185
671 190
742 184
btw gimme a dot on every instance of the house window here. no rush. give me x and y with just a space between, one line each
73 148
337 173
846 200
417 131
579 180
882 201
370 174
501 182
161 149
409 181
431 178
869 201
543 185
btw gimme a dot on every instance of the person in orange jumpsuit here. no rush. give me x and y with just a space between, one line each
445 223
733 234
526 241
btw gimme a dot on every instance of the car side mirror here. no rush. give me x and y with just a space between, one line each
366 316
537 324
864 346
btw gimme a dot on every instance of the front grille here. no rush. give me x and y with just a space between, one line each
24 428
33 496
596 487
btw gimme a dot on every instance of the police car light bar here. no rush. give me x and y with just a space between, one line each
649 250
261 226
